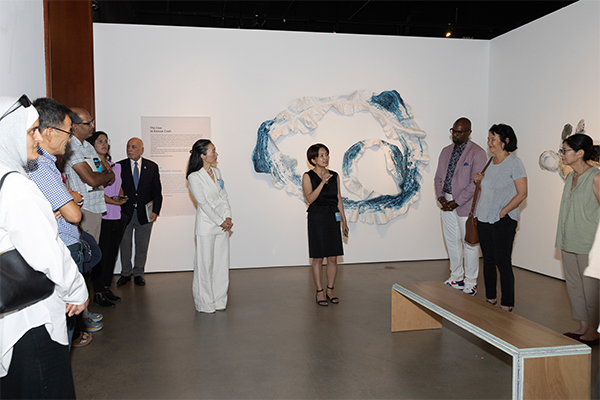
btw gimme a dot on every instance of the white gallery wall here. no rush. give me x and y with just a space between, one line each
22 68
241 78
543 76
536 79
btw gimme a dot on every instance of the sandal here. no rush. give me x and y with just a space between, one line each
83 340
333 300
507 308
494 303
322 303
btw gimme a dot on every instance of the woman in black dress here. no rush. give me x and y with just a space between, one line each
325 212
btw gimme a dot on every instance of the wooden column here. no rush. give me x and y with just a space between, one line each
69 46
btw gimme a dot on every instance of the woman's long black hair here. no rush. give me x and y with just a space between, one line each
195 163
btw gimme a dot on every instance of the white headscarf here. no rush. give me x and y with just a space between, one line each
13 134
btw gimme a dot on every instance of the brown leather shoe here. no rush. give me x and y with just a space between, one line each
83 340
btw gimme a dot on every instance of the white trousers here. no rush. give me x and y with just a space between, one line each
464 258
211 272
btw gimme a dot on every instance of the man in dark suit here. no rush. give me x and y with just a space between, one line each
141 183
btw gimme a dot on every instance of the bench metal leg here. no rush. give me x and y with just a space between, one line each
555 377
410 316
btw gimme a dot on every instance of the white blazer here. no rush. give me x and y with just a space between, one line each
212 202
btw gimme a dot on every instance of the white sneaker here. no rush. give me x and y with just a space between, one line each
460 285
470 289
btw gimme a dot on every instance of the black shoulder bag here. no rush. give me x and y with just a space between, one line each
20 285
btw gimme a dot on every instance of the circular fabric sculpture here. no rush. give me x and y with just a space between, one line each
405 160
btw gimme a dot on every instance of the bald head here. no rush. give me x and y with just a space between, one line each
83 124
465 122
135 148
461 130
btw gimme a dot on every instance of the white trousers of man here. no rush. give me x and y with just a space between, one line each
211 272
464 258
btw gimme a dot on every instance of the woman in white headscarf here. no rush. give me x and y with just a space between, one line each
34 355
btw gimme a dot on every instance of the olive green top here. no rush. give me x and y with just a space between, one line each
579 214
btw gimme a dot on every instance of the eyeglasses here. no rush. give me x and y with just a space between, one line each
23 101
457 132
563 150
103 141
92 122
70 133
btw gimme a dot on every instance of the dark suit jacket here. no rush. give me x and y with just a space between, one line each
149 189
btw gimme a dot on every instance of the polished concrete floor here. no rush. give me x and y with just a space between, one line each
274 342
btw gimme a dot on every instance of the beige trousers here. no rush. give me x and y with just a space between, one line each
583 290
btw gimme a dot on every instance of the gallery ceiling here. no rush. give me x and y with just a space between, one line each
464 19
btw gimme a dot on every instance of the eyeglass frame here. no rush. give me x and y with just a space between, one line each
92 122
562 150
62 130
23 101
452 131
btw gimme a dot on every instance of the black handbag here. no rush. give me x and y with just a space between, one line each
20 285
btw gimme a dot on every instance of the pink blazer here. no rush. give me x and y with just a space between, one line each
471 161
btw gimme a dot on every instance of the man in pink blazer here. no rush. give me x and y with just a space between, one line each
454 188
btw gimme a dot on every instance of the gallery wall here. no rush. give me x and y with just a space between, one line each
22 49
536 78
241 78
543 76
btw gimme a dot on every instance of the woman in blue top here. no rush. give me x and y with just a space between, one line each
321 188
503 189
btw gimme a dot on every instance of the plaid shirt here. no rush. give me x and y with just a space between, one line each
46 176
76 153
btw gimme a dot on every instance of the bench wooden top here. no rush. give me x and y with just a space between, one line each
505 330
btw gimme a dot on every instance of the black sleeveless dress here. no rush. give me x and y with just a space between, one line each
324 232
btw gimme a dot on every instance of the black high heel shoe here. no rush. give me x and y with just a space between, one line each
333 300
322 303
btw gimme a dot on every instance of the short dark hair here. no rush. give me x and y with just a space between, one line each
507 136
95 137
313 152
51 112
195 163
581 141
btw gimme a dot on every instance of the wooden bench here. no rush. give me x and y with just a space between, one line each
546 364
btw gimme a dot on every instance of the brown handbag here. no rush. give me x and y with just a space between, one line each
471 235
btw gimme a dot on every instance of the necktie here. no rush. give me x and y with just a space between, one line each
136 175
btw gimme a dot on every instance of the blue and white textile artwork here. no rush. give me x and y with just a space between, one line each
406 153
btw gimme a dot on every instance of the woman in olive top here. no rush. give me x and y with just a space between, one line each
577 225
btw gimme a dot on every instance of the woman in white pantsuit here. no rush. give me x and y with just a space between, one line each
212 230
